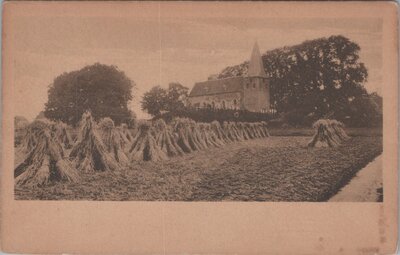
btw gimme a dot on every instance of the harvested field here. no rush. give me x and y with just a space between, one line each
310 131
268 169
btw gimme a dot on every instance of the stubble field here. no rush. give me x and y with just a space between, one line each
278 168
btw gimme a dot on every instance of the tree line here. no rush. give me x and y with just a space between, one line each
321 78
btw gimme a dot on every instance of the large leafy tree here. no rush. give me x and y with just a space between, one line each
154 101
158 100
102 89
176 96
318 78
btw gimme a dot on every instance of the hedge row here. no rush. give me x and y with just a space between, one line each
220 115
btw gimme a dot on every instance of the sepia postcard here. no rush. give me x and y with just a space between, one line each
199 127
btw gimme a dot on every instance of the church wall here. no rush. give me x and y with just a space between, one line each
217 101
256 96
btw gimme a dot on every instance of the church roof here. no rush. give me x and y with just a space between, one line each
256 66
212 87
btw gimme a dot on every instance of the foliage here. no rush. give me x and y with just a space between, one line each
365 111
154 101
102 89
158 100
176 96
323 77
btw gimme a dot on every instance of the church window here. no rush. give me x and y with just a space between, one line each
213 105
204 105
223 105
234 104
254 85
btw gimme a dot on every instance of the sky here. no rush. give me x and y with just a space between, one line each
153 46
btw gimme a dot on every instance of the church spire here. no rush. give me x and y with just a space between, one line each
256 66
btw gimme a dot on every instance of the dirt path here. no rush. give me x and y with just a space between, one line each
366 186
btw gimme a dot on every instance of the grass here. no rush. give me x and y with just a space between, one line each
280 168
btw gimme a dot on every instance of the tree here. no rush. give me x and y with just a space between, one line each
155 101
318 78
364 111
159 100
176 96
104 90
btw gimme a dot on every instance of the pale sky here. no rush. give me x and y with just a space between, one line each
154 48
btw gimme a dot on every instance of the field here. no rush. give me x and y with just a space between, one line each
309 131
278 168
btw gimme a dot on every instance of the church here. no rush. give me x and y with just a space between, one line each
251 92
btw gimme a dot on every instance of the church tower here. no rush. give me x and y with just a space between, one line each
256 66
256 96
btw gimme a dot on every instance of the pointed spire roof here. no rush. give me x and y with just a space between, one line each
256 66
